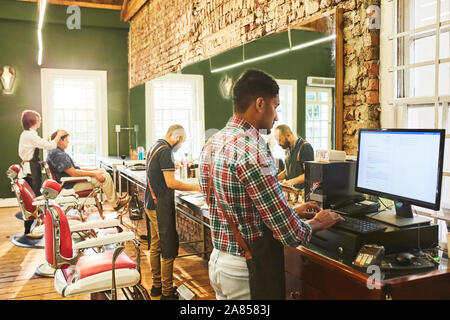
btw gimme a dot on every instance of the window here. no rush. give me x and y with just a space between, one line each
286 112
318 117
176 99
75 100
415 63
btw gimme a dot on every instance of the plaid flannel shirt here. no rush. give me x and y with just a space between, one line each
245 178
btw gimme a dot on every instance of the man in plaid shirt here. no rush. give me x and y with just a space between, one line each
245 178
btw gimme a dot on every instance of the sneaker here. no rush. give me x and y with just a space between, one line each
122 203
173 296
156 291
34 236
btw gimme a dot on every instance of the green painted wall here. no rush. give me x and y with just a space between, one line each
100 44
137 114
312 61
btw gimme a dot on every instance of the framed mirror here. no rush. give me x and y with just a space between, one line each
307 62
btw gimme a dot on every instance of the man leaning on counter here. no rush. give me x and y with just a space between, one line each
249 214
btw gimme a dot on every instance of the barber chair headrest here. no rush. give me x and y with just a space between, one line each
13 171
50 189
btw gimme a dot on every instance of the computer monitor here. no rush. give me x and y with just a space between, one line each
404 165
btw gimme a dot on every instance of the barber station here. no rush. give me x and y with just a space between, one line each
224 150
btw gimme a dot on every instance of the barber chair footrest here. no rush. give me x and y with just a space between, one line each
23 241
45 270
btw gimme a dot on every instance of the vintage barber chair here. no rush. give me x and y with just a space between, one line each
25 197
79 272
92 197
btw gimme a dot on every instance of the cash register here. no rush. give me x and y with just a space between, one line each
404 165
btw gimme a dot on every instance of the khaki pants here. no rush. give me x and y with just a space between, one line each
107 187
162 269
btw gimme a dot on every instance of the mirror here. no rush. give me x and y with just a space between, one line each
306 60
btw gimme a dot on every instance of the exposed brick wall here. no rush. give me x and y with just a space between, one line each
166 35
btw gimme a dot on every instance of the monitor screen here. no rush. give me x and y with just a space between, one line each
401 164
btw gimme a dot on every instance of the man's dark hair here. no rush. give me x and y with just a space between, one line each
251 85
55 133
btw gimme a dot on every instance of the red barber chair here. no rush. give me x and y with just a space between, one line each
79 271
25 197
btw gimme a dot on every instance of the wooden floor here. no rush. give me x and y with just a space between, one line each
19 282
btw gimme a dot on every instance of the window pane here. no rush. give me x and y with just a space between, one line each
423 13
444 79
310 96
309 111
445 10
73 107
421 117
324 128
444 44
446 166
445 192
419 82
323 96
324 112
423 49
316 114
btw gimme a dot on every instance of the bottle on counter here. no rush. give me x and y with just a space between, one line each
140 153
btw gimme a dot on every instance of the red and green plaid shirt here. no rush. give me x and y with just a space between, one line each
245 178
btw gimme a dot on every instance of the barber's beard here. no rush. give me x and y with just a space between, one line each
286 145
176 147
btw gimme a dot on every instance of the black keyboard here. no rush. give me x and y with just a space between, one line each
358 225
359 208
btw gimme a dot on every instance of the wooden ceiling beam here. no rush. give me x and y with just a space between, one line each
81 4
130 8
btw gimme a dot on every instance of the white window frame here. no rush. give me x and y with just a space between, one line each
100 77
293 84
198 114
293 125
394 111
330 111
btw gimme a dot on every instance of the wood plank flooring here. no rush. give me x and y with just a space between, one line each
19 282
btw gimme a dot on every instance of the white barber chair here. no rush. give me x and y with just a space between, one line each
81 273
92 197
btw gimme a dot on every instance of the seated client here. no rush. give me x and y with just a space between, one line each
63 166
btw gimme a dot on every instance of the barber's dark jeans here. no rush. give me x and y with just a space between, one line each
27 223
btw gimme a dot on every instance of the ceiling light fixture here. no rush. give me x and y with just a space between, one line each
41 5
276 53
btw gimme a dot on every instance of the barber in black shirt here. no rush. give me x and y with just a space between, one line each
160 209
298 150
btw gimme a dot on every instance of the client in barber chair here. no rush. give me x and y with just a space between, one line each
63 166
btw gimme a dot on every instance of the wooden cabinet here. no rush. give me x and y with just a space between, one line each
312 276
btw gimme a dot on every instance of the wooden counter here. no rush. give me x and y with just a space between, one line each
312 274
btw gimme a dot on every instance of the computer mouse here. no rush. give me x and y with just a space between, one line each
404 258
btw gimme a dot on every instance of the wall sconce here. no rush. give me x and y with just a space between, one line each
7 77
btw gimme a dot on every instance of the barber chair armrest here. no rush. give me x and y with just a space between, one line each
66 192
107 223
40 230
75 179
59 200
108 239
